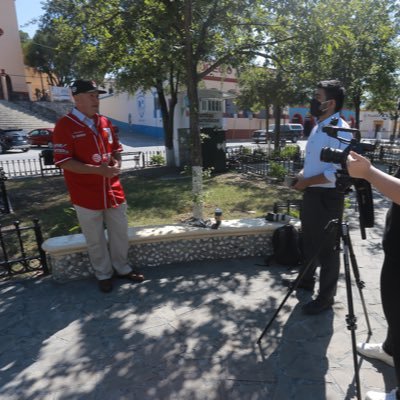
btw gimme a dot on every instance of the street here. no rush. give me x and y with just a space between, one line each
130 142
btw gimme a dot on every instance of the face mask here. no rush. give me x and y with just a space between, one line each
315 108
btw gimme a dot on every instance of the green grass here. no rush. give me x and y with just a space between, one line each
151 199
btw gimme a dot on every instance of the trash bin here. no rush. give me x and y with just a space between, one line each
213 149
47 155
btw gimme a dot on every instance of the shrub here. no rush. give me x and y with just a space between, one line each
277 171
290 152
157 159
245 150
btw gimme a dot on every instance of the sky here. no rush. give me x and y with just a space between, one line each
27 10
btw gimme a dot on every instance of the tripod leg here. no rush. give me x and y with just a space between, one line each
334 224
350 317
359 282
290 291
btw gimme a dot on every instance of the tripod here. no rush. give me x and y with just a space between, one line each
342 229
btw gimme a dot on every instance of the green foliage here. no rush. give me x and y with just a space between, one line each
259 153
291 152
151 200
245 151
277 171
157 159
295 213
206 172
358 44
71 214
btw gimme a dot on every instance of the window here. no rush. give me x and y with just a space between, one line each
210 105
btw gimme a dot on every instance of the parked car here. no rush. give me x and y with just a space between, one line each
13 138
41 137
292 132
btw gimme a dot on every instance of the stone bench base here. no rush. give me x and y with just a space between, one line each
166 244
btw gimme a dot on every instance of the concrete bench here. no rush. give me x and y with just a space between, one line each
165 244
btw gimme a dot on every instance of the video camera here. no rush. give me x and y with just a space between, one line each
343 180
338 156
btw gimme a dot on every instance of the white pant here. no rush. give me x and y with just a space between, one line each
106 255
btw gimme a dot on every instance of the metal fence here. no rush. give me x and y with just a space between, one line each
387 154
5 207
44 166
260 163
16 258
247 160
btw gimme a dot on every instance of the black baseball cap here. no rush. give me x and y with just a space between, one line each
81 86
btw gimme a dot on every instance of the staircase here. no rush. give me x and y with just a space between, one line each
15 116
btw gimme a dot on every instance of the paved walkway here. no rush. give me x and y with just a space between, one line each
188 332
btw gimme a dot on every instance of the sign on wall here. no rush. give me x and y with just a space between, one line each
60 93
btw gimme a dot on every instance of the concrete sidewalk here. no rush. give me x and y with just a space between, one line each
189 332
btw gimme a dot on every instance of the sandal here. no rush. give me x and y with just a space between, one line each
132 276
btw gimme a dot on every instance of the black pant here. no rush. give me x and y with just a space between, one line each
390 294
321 205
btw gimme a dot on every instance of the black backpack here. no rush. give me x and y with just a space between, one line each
286 245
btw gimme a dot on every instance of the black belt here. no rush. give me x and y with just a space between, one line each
317 189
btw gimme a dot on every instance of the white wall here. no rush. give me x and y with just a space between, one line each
11 59
369 120
136 112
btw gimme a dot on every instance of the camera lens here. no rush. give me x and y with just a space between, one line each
335 156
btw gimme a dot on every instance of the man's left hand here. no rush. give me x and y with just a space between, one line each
301 184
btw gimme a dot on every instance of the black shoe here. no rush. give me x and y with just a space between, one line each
105 285
308 286
317 306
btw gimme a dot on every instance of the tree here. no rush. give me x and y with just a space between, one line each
147 57
219 32
356 43
388 103
263 87
159 42
144 56
24 37
282 80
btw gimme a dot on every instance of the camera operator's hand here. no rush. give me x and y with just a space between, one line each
358 166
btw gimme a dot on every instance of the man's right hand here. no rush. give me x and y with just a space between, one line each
109 171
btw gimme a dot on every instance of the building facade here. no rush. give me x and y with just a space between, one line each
140 112
12 72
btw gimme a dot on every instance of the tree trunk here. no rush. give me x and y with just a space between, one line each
192 80
357 107
277 132
395 123
266 104
168 121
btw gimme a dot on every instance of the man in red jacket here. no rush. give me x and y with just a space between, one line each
88 150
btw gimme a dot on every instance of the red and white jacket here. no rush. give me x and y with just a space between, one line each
73 139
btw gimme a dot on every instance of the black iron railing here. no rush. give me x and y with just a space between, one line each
5 207
43 165
16 258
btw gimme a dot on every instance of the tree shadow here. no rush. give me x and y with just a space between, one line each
188 332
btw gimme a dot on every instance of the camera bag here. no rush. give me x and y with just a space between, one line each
286 245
